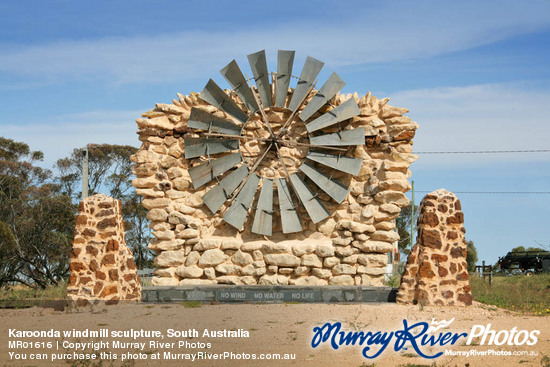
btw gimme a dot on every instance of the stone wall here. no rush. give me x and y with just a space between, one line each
195 246
102 267
436 272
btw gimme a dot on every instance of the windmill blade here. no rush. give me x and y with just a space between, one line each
234 76
341 163
263 219
214 95
345 137
207 171
314 208
345 111
325 94
285 60
289 216
237 212
334 188
218 195
258 64
196 147
202 120
311 69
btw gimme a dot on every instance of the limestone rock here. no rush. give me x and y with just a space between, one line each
373 260
242 258
300 248
286 260
158 215
392 197
197 282
387 236
277 247
212 257
341 280
163 282
170 258
273 280
192 271
321 273
228 269
311 280
356 227
342 269
325 250
373 246
252 246
312 260
165 245
371 271
208 244
331 261
192 258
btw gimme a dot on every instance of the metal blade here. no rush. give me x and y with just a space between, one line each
341 163
205 172
325 94
345 111
315 209
203 120
345 137
311 69
234 76
196 147
332 187
258 64
285 60
214 95
217 195
289 216
263 219
237 212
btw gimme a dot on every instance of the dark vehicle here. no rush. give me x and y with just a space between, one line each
526 262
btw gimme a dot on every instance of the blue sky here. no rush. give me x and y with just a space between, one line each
474 75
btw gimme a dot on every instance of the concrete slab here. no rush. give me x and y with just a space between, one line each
269 294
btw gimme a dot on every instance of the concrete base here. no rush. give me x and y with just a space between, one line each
268 294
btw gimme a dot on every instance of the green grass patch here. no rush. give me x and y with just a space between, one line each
529 294
22 296
192 304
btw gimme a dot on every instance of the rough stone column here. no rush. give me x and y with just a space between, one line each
101 265
436 272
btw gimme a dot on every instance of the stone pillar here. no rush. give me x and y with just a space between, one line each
436 272
102 267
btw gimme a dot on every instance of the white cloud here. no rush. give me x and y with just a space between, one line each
57 136
388 33
480 117
508 116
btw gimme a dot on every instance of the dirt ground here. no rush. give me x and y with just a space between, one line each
275 328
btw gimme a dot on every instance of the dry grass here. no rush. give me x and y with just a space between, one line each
18 296
529 294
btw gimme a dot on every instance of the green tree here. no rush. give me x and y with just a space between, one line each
36 220
110 171
403 223
471 256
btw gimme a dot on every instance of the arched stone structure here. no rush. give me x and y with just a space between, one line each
194 246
